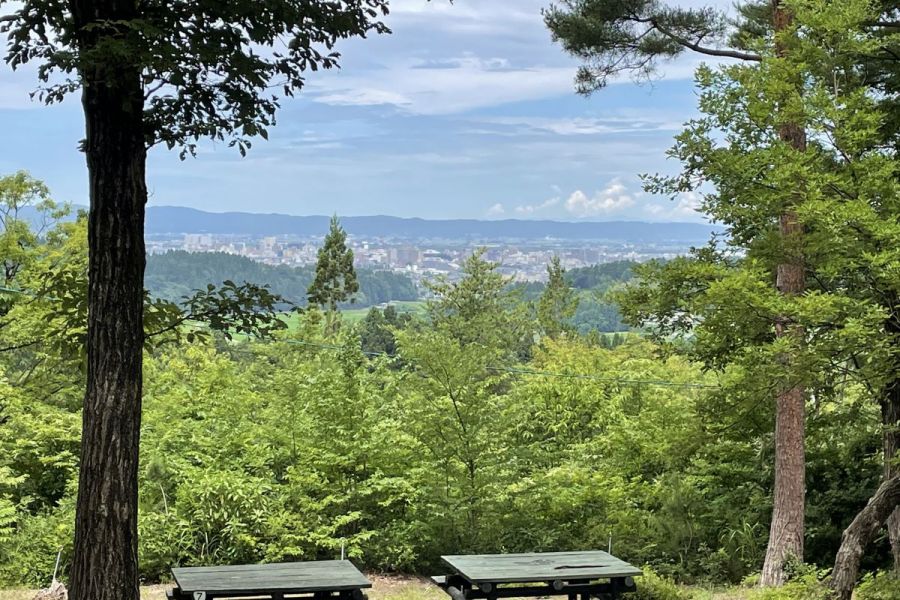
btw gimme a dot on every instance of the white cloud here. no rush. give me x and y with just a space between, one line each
363 97
612 199
530 209
496 210
453 85
609 124
685 207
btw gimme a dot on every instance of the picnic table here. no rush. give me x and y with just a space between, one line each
572 574
319 580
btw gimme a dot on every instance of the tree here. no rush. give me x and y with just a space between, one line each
19 192
153 72
766 189
335 280
632 36
480 308
558 302
377 330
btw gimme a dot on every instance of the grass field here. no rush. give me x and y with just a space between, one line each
355 315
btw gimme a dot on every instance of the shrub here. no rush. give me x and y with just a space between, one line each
805 583
879 586
28 556
651 586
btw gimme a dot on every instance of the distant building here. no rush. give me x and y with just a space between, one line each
404 256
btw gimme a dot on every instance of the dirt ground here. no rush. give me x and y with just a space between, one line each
383 588
397 587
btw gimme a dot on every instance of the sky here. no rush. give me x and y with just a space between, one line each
467 110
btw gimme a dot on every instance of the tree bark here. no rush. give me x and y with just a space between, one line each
890 421
105 565
788 513
858 535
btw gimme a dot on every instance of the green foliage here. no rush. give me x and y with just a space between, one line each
377 330
601 277
721 305
480 308
632 36
651 586
291 447
804 583
879 586
335 280
594 312
558 302
7 506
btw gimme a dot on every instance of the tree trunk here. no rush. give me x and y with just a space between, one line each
858 535
787 528
890 421
105 565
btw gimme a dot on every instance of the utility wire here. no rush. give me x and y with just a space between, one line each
512 370
519 371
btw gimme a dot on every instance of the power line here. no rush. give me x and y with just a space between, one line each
656 382
512 370
14 291
520 371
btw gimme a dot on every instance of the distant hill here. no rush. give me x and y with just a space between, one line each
177 220
176 274
174 220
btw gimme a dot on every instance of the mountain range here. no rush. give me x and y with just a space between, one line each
175 220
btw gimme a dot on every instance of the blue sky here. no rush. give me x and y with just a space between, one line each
466 110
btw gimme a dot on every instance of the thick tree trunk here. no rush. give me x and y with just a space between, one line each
105 565
858 535
787 528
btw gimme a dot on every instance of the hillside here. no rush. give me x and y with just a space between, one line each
175 274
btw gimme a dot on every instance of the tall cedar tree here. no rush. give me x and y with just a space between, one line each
335 280
634 36
558 302
152 72
846 205
631 36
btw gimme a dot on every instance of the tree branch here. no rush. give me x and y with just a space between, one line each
858 535
19 346
696 47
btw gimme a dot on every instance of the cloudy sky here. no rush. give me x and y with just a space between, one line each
466 110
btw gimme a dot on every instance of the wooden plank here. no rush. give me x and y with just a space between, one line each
279 578
537 567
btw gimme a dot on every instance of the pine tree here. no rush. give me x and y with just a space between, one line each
335 280
557 303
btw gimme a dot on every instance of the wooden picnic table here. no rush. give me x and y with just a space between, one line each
573 574
319 580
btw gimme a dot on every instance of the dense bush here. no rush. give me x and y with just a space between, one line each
879 586
651 586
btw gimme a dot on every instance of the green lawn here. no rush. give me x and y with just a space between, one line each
355 315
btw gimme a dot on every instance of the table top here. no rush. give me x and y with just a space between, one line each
298 577
539 566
